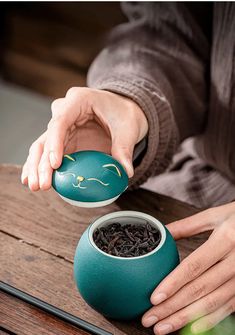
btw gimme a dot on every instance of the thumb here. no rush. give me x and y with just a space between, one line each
122 150
191 225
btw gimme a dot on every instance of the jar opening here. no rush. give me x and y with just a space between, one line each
128 217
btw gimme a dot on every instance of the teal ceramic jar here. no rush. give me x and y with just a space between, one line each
120 287
89 179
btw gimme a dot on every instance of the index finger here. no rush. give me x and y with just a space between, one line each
192 225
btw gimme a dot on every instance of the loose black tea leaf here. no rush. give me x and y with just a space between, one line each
128 240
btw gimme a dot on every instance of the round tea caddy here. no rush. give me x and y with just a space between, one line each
120 287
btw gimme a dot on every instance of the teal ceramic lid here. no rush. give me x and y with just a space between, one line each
89 179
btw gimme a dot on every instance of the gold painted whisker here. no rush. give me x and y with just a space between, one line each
99 181
78 185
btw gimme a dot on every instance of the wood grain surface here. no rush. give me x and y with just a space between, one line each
26 319
38 236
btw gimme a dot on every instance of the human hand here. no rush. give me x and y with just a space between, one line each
85 119
202 287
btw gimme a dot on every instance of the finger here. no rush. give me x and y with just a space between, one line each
193 225
57 131
198 309
122 149
123 154
190 268
66 112
45 171
24 174
200 287
33 160
33 150
211 320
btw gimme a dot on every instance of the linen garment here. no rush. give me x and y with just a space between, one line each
176 61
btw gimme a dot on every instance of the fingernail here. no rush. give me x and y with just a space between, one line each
42 178
129 169
158 298
33 182
164 328
150 320
53 158
23 177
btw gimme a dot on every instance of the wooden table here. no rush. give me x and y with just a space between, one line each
38 236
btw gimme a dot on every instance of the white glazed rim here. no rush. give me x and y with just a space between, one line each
89 204
130 214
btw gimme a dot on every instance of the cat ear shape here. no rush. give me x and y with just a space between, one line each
113 168
70 158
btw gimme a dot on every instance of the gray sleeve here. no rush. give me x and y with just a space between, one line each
158 59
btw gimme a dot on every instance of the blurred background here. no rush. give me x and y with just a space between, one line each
45 49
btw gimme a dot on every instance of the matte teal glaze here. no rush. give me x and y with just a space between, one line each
120 288
89 164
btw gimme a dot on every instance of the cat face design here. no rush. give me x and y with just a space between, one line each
89 176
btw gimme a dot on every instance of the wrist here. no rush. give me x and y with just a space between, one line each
142 121
139 116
